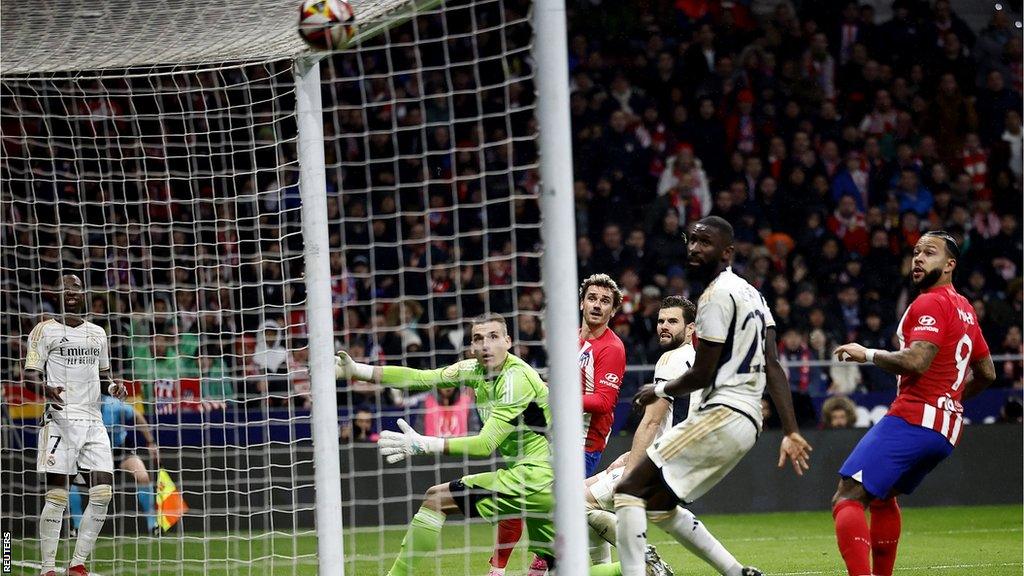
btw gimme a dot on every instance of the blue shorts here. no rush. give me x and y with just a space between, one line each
895 454
590 462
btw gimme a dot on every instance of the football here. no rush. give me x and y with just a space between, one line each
326 24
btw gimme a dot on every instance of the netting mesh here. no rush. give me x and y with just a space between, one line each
431 137
173 193
173 197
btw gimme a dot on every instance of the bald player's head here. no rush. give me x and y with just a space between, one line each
710 247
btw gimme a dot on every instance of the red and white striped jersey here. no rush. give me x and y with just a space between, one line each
945 318
602 362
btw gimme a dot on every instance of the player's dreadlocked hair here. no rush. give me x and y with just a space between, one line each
689 310
952 247
604 281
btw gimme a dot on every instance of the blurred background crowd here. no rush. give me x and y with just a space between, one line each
830 136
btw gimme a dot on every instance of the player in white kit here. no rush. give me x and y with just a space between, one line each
735 359
68 361
675 335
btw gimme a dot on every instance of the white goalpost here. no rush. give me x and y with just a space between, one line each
238 209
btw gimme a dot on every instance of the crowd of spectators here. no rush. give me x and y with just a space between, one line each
830 140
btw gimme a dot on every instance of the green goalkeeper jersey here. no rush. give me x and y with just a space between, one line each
513 406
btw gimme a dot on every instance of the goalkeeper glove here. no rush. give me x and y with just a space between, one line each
345 368
397 446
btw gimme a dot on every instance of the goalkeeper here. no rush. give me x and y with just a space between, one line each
513 404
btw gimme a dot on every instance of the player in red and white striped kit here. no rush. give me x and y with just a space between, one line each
602 362
943 359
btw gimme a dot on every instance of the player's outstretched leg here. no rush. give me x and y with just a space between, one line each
691 533
424 530
886 523
50 520
100 493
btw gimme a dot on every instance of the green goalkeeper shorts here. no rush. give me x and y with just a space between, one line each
478 496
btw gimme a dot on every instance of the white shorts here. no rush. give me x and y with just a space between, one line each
603 488
699 451
66 446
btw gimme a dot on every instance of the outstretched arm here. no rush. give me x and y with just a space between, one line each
396 446
914 359
396 376
483 444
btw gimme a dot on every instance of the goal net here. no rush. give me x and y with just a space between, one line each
151 150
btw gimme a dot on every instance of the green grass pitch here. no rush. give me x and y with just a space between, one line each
961 541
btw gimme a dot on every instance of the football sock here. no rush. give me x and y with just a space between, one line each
420 540
631 533
75 506
92 522
509 532
50 521
885 535
602 535
853 537
144 492
539 566
691 533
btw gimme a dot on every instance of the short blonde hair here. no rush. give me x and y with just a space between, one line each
602 281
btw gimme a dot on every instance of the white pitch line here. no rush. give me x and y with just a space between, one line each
832 536
912 568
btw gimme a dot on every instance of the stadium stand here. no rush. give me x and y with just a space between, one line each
829 140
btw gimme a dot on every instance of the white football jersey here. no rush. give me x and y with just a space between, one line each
733 312
71 357
671 365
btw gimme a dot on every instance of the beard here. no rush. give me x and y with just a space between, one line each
928 280
702 272
677 341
